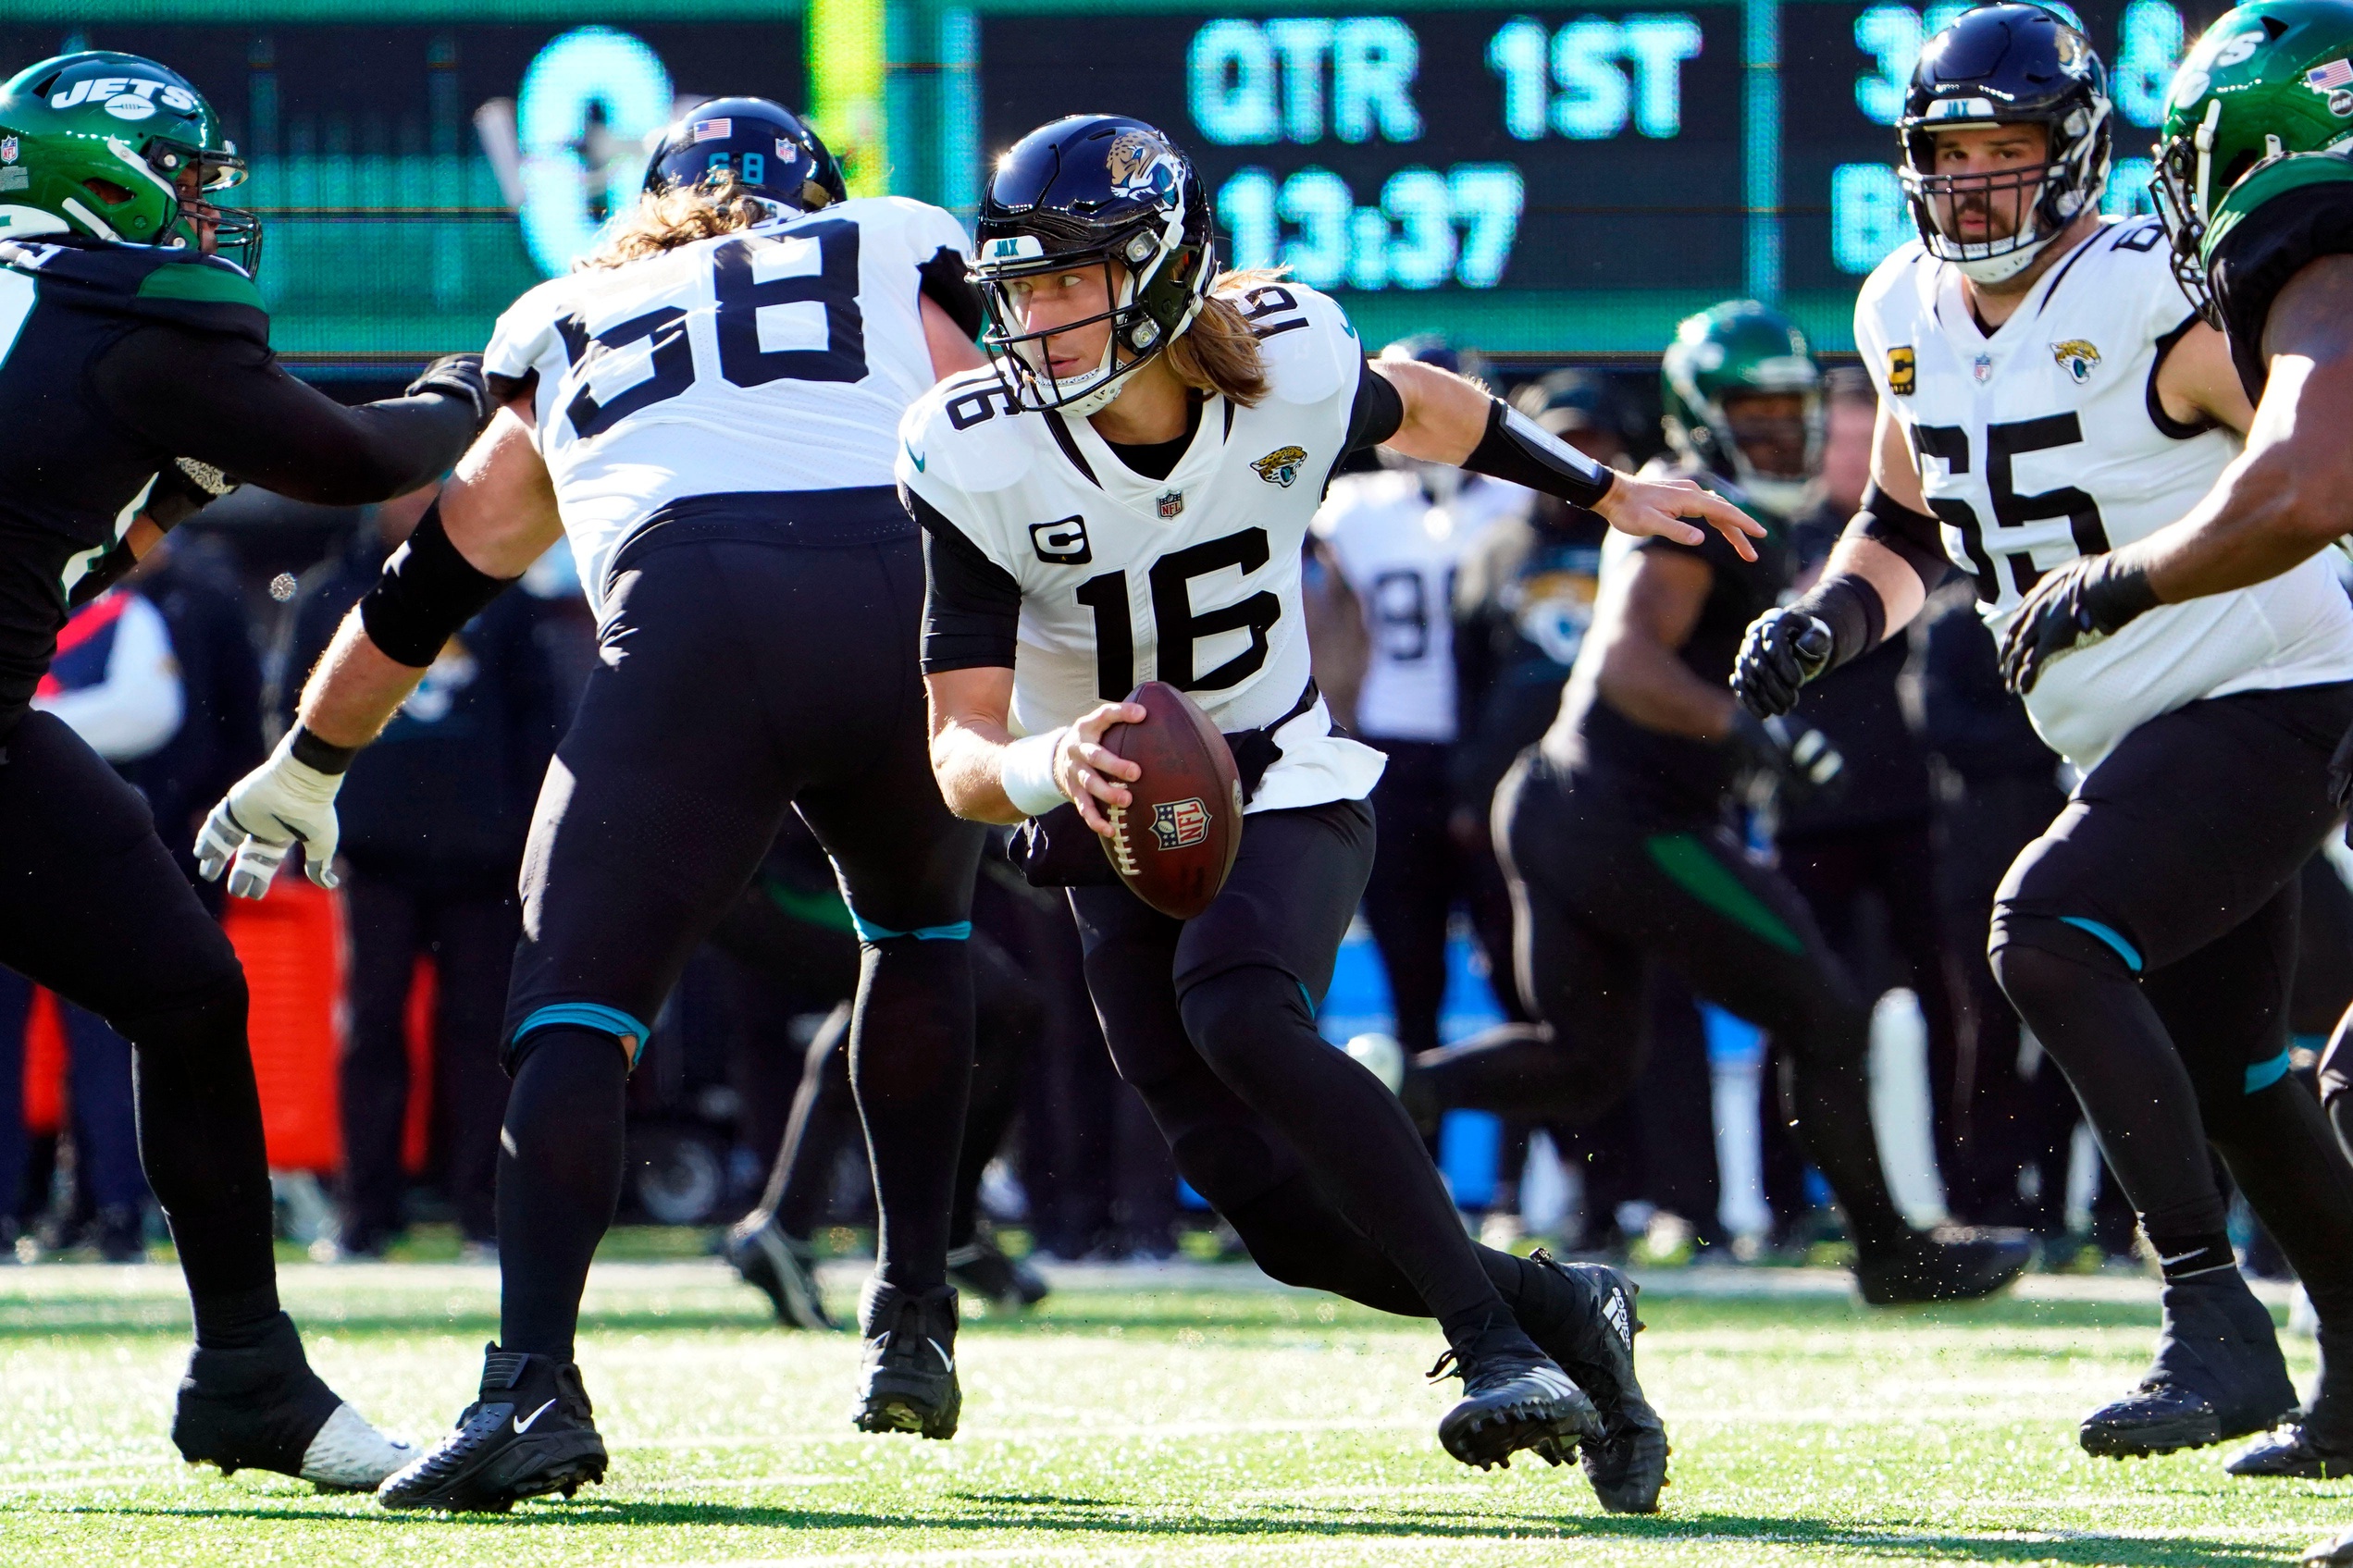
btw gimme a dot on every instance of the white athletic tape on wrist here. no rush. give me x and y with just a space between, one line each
1027 774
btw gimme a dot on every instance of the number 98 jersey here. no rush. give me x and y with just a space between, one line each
2047 440
776 358
1193 579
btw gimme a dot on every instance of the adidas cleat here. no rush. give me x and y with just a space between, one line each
264 1409
529 1433
784 1267
2289 1454
1514 1397
909 1380
2316 1445
1946 1265
2218 1374
1589 1327
980 1268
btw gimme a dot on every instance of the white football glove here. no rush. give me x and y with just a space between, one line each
277 806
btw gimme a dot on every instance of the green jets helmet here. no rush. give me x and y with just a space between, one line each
101 144
1735 348
2268 79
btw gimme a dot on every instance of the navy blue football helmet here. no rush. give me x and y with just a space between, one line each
772 153
2006 65
1092 191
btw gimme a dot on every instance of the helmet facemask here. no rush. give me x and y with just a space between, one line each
1153 298
236 235
2040 201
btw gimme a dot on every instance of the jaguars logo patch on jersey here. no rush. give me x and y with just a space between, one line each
1281 465
2076 357
1902 370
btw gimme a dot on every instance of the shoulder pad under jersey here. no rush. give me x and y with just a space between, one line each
967 436
1310 351
2285 214
178 287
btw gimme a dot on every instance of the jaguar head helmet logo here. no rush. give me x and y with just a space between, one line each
1143 164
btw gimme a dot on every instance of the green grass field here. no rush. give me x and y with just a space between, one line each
1201 1418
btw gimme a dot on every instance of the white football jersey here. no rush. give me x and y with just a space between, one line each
1193 579
2046 441
1398 550
776 358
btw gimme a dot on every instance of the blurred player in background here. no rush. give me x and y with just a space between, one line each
137 385
2257 197
1129 493
1397 537
2049 392
1613 832
723 483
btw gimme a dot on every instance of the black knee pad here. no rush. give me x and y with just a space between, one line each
1287 1228
208 1016
2036 956
1231 1166
1244 1012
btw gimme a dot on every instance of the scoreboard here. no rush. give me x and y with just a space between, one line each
1549 182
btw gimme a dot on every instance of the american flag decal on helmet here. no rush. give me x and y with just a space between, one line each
2330 77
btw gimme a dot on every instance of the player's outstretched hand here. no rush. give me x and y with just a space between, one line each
1089 773
1783 650
459 377
2076 605
1668 508
268 812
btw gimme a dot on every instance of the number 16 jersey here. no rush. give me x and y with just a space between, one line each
776 358
2045 440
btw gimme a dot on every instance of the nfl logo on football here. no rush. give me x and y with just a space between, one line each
1179 824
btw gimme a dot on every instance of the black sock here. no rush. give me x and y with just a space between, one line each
1253 1028
2286 1159
825 1116
1009 1018
910 1061
559 1182
2095 1022
1826 1088
200 1142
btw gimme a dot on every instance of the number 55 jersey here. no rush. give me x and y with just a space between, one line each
2045 440
1118 577
776 358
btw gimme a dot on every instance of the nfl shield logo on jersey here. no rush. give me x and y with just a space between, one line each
1179 824
2078 358
1169 503
7 149
1281 465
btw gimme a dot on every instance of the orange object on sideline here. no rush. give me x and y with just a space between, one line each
291 945
44 1065
417 1021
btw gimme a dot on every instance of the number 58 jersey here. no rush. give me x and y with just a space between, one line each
2045 440
1193 579
776 358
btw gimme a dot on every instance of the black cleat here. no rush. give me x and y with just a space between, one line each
980 1268
264 1409
1515 1396
1944 1265
1590 1330
529 1433
2316 1445
909 1382
784 1267
2218 1374
2330 1554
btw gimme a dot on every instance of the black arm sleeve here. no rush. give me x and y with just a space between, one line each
228 403
945 285
1376 412
972 606
1914 536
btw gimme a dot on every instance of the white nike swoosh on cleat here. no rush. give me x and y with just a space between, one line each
947 1363
524 1422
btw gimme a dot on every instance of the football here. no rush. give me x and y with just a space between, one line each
1174 845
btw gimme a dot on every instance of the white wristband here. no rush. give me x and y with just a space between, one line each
1027 774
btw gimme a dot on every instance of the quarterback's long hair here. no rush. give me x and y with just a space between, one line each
1218 353
712 207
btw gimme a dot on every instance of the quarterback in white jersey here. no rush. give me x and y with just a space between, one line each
2047 393
708 407
1126 498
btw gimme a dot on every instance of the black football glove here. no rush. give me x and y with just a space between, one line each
1783 650
1805 765
2080 603
459 377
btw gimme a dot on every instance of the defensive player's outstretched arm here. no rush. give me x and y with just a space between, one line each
1880 573
493 518
2285 499
1447 419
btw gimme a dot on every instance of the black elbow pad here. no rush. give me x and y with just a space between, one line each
427 591
1914 536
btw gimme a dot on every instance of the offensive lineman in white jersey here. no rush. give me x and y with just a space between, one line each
1397 537
708 407
2048 392
1127 497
